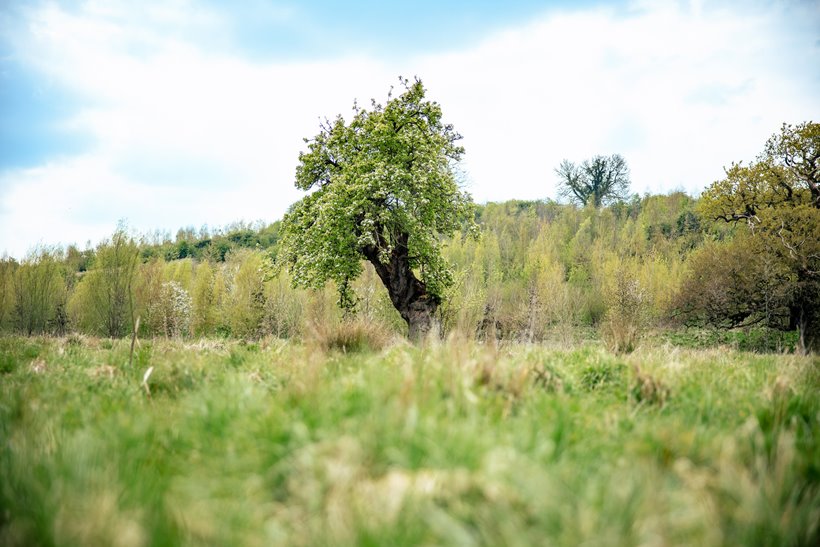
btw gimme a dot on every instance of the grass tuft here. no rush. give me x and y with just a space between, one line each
547 378
602 374
647 389
351 336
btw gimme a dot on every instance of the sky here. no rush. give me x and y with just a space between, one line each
181 113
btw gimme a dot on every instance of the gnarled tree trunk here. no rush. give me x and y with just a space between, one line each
407 292
805 317
419 317
808 330
811 337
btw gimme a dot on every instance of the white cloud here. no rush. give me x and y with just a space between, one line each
577 84
185 136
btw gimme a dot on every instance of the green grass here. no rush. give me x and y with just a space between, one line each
752 339
277 443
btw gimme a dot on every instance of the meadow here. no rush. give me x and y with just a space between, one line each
275 442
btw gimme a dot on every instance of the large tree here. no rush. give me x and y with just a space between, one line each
597 181
778 198
383 189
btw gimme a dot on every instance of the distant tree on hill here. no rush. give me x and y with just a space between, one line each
598 181
384 190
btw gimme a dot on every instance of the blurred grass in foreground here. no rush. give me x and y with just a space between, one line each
273 443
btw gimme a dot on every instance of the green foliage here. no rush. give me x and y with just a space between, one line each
626 316
243 305
540 272
778 198
736 283
204 317
173 309
211 244
550 300
602 374
7 267
108 292
148 294
39 294
384 190
548 378
755 339
77 261
284 307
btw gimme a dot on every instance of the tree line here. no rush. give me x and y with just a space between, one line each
538 269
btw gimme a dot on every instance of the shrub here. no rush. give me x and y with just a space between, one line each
243 308
349 336
735 283
111 284
601 374
171 379
203 312
8 363
173 309
626 317
38 291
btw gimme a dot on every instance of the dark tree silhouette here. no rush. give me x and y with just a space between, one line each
597 181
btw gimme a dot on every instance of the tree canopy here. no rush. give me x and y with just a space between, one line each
778 198
383 188
598 181
736 283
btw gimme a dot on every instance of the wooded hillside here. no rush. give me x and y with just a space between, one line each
539 270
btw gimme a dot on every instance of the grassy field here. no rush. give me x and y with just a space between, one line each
277 443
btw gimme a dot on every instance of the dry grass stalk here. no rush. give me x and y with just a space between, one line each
38 366
349 336
145 380
647 389
133 341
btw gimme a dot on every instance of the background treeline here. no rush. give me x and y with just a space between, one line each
540 270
